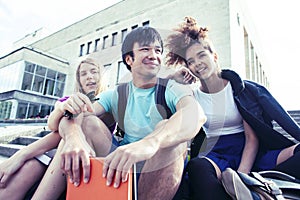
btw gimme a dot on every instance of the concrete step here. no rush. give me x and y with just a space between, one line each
42 133
24 140
8 150
295 114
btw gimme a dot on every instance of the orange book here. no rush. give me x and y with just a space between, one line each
96 188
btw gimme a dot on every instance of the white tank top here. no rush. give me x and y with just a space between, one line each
223 117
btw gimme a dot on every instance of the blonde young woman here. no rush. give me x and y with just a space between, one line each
22 170
239 114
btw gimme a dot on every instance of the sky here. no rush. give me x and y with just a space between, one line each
275 23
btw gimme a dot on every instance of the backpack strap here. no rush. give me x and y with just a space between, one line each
160 98
197 143
123 90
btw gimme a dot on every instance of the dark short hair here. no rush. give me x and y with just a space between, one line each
143 36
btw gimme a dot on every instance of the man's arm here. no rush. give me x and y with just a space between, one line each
181 127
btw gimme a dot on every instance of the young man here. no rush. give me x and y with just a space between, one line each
157 145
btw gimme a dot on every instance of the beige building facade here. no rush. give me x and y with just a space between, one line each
100 36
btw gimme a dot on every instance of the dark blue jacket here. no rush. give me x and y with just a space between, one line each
259 108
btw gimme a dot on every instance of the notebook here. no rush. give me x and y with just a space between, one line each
96 188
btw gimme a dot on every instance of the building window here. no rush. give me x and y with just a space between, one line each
146 23
105 38
134 27
59 84
97 41
81 50
89 44
107 79
40 70
124 33
5 109
43 80
29 67
27 81
114 39
122 70
38 84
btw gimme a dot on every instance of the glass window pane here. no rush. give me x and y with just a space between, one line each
21 113
124 33
59 89
114 39
51 74
27 80
29 67
38 84
61 77
33 110
5 108
40 70
122 70
45 111
49 87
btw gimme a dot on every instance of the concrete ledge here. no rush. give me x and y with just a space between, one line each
23 121
24 140
9 133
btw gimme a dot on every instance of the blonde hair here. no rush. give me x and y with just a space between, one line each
78 87
187 34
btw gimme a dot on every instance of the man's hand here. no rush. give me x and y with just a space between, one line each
117 164
75 154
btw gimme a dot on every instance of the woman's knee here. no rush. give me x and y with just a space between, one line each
92 124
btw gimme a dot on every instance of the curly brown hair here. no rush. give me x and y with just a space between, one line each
187 34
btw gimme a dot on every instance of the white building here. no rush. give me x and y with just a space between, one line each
35 76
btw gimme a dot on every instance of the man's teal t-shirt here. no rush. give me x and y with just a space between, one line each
141 114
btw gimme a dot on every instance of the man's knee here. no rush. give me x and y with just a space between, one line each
168 178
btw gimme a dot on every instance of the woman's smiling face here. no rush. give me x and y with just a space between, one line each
200 61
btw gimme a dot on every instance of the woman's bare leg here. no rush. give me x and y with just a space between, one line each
17 187
54 181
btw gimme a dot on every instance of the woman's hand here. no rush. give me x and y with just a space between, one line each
8 168
184 76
